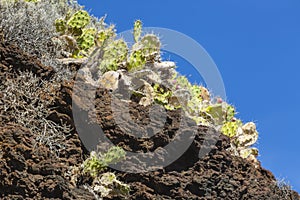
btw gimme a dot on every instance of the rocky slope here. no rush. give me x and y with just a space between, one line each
29 170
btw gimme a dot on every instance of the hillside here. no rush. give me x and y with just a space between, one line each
69 88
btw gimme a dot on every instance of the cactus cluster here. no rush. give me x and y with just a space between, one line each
77 26
105 35
196 102
86 40
73 26
115 53
193 98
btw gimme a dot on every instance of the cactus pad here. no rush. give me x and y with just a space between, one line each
105 34
137 30
230 128
60 25
79 20
87 39
114 54
150 44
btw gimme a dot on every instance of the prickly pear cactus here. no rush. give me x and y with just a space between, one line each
229 113
150 43
60 25
150 47
216 112
162 95
87 39
114 54
73 26
230 128
79 20
220 112
136 60
145 50
137 30
105 35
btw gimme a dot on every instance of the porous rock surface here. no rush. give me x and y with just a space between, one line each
30 171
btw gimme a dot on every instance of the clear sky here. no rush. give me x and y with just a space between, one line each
256 46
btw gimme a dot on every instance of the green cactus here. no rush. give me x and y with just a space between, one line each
78 21
151 45
143 51
216 112
193 106
161 95
230 128
114 155
114 54
87 39
136 60
105 34
105 184
221 112
85 43
151 41
60 25
73 25
196 91
137 30
230 113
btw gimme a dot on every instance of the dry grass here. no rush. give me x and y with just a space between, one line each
27 100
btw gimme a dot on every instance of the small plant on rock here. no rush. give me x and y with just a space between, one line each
97 163
104 184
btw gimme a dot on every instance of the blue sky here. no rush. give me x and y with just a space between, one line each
256 46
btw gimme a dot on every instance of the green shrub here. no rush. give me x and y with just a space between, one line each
97 163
